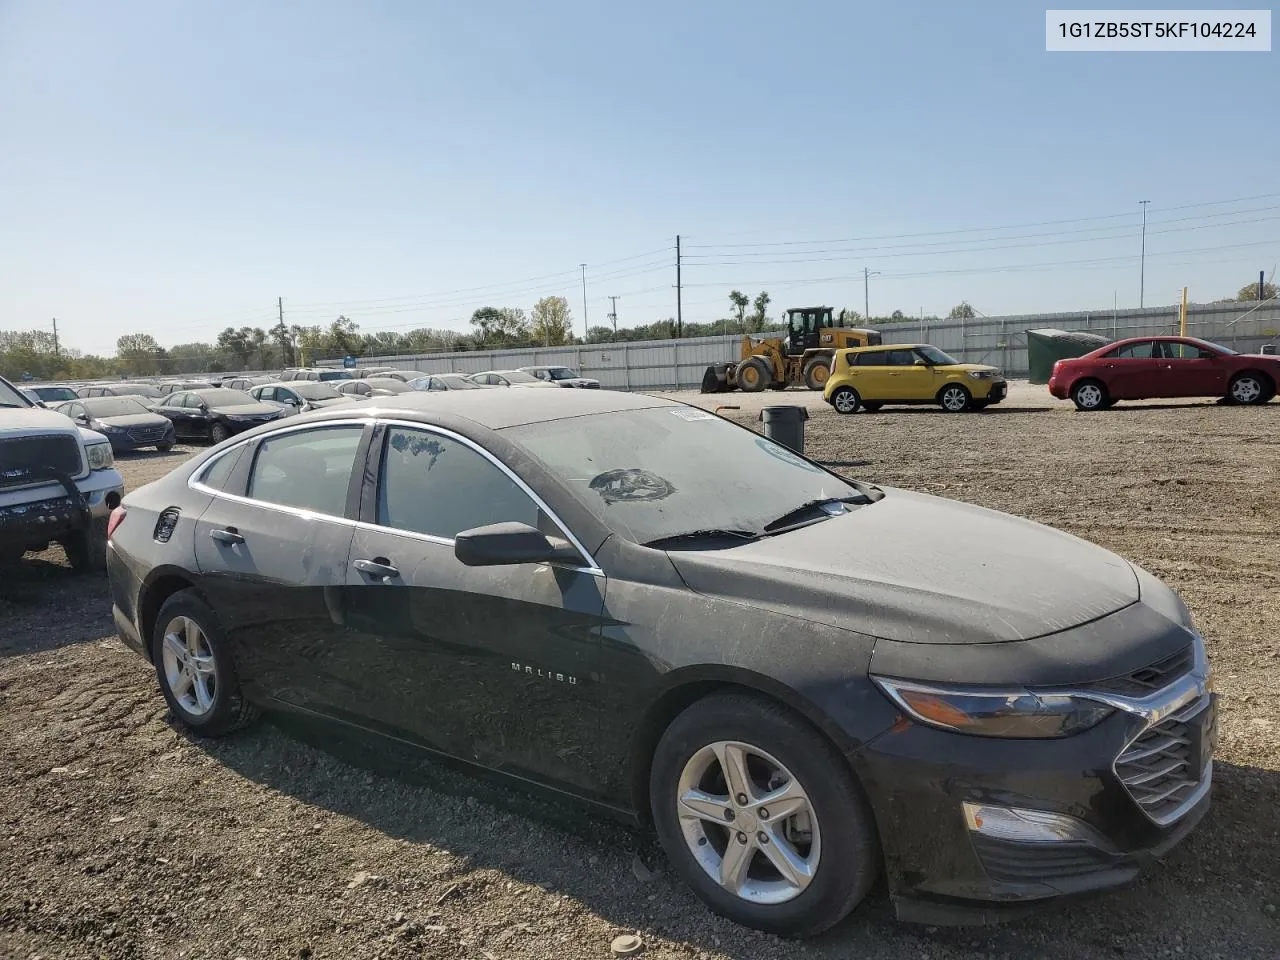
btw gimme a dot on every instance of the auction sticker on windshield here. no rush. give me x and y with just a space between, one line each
1121 31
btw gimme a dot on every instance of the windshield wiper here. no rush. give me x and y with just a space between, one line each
709 536
813 511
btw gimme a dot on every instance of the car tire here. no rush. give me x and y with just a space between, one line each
218 432
872 406
1249 388
833 847
816 372
194 668
87 548
164 447
1090 395
753 375
846 400
954 398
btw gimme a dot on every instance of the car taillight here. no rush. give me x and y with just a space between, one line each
113 521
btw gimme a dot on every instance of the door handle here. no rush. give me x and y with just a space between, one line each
229 536
379 568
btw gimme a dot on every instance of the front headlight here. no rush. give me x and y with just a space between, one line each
981 374
994 713
100 456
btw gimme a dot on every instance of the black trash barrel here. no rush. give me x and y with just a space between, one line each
785 425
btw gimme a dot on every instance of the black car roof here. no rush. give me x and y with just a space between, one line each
495 409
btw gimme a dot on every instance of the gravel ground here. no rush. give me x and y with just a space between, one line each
122 837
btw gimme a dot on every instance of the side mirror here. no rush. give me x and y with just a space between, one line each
204 408
921 362
499 544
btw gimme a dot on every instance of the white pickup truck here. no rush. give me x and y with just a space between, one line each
58 483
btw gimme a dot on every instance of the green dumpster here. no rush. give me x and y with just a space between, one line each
1045 347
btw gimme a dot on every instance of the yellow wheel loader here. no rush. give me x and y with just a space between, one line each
802 356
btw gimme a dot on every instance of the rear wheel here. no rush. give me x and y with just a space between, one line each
1089 395
1249 387
761 817
846 400
753 375
195 671
954 398
816 372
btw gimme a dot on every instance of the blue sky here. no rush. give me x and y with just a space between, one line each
174 167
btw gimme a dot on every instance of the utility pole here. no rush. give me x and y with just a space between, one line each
614 315
584 301
55 337
1142 267
679 314
283 331
866 292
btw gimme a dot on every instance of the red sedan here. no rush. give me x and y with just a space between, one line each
1148 367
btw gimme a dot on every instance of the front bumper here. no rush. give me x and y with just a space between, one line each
942 869
999 390
33 516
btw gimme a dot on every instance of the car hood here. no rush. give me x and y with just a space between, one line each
921 569
134 420
334 402
972 368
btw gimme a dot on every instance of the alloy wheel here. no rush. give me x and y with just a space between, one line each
189 668
748 822
954 399
845 401
1089 396
1245 390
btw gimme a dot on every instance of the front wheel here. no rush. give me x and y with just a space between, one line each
194 668
219 432
753 375
1248 388
87 548
954 398
846 400
164 447
761 817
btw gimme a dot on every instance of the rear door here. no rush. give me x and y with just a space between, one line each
488 664
173 407
869 374
272 554
1134 371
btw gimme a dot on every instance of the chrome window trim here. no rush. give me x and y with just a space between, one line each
589 567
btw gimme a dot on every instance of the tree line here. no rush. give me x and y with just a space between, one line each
549 323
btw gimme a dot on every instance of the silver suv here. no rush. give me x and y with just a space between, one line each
58 483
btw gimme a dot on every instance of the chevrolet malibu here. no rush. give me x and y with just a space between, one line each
802 682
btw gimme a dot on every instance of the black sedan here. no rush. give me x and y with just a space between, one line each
126 421
801 681
215 414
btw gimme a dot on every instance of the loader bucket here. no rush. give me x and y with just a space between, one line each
716 379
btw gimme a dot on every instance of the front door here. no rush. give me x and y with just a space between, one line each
903 378
272 554
492 665
1192 371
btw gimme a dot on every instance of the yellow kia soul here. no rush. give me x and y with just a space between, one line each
866 378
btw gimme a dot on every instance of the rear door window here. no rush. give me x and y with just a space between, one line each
307 469
1142 350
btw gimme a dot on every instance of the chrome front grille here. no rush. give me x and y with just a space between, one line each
1166 766
147 434
1149 679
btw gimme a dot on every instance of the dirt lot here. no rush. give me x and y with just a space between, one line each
121 837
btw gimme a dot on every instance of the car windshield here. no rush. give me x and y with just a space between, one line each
664 472
10 397
54 394
1217 346
459 383
936 356
113 407
561 373
335 375
315 390
226 398
517 376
